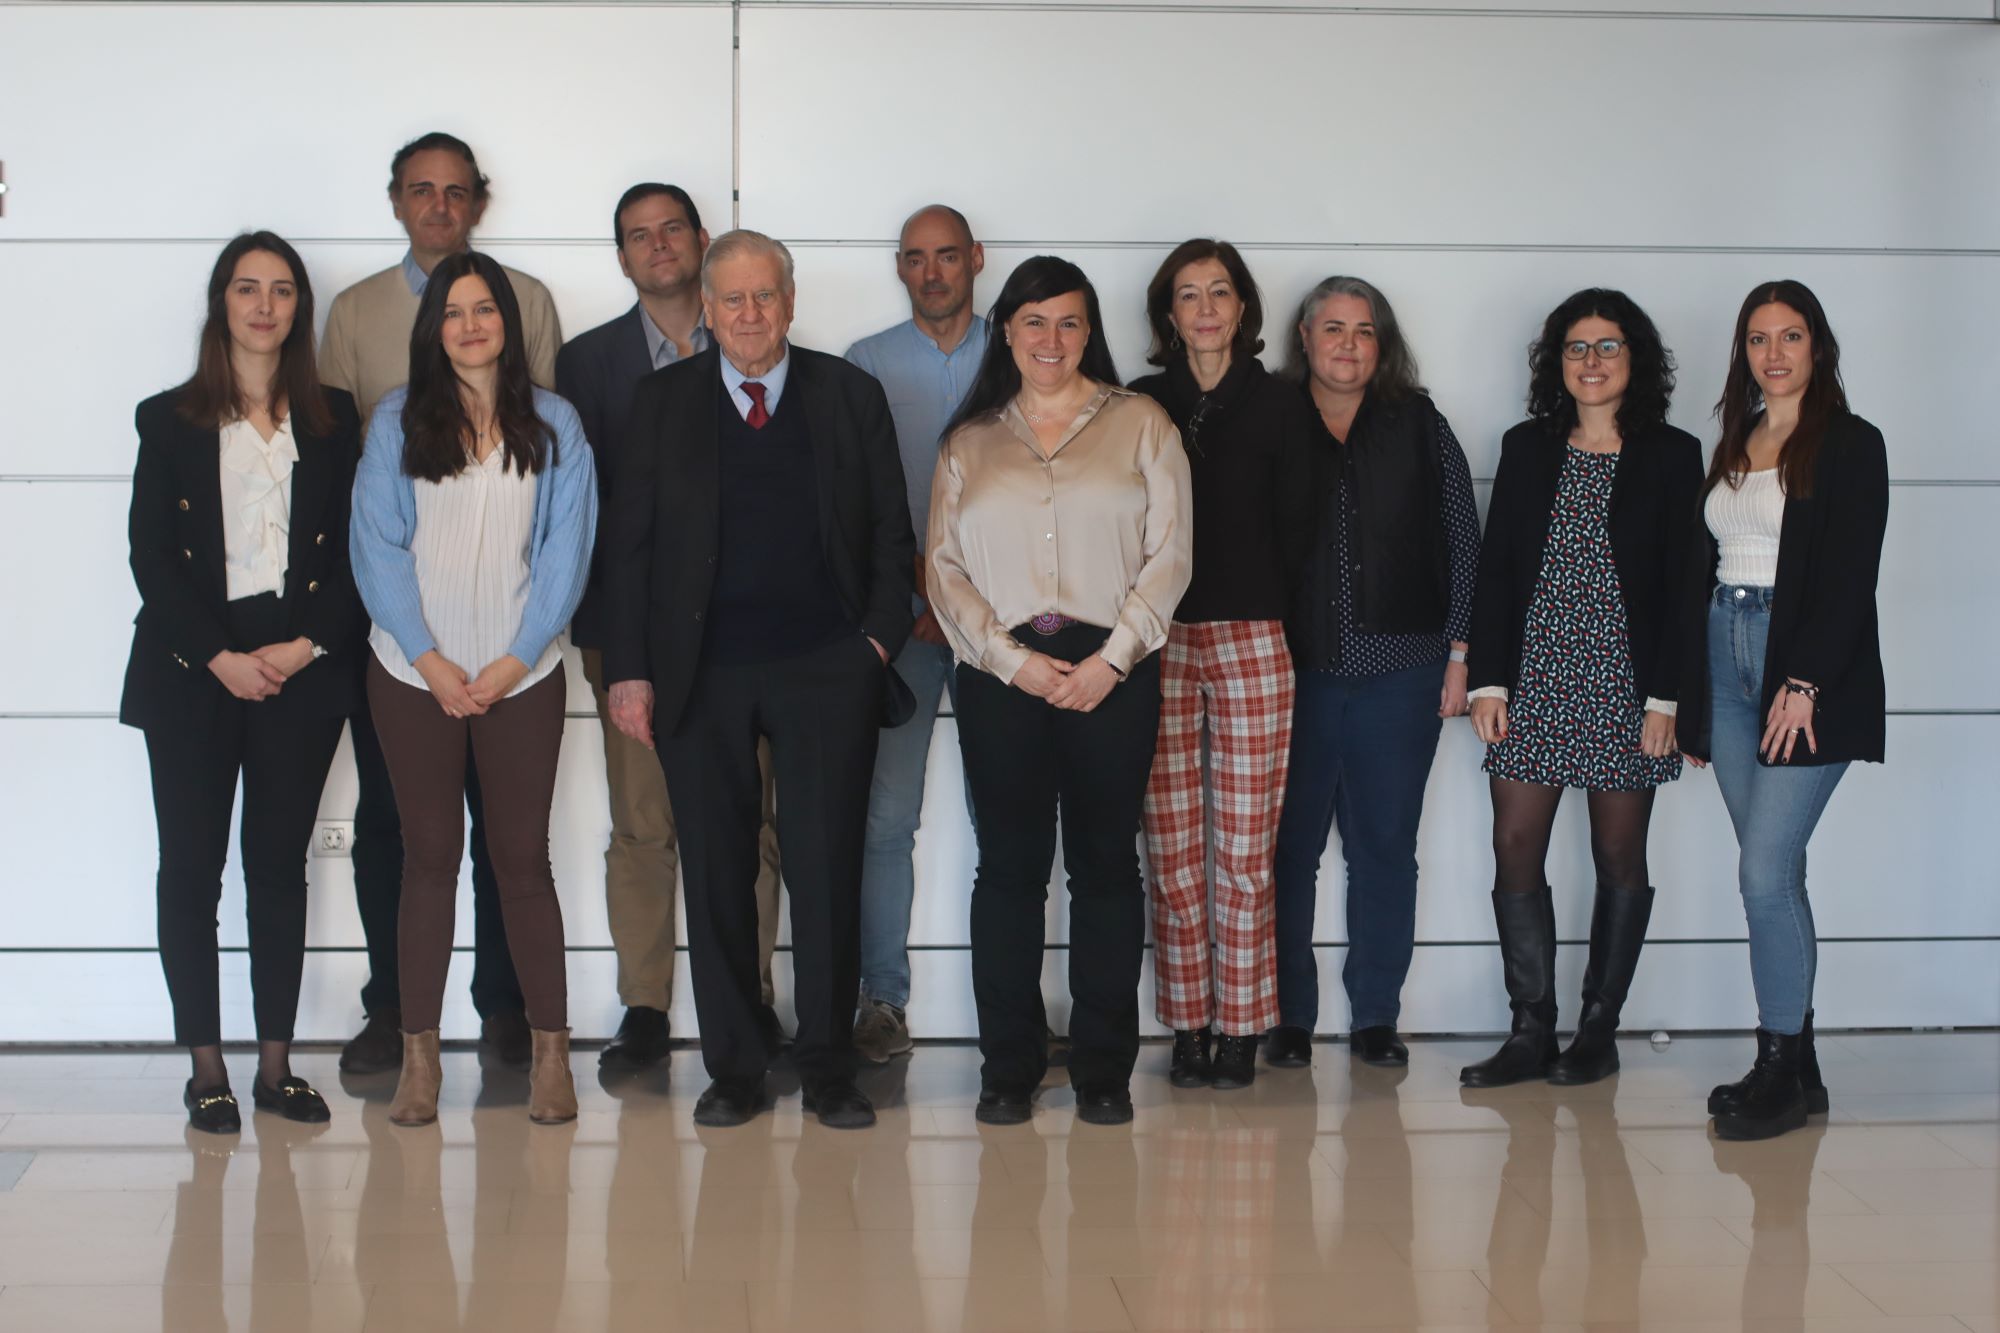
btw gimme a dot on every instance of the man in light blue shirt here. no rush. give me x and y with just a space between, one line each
926 364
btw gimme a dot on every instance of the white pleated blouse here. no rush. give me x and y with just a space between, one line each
256 507
471 551
1746 519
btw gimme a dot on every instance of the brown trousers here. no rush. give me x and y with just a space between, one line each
640 863
515 744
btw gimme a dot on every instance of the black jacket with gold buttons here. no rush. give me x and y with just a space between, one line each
178 557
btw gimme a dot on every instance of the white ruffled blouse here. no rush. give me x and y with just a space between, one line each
256 507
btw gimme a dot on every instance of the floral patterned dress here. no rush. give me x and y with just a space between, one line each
1574 717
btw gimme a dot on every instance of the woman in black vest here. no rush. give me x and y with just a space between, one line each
1378 636
1575 662
1225 669
239 548
1781 660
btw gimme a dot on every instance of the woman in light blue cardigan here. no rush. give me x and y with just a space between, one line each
474 510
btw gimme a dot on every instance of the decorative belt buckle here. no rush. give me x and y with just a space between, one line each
1050 623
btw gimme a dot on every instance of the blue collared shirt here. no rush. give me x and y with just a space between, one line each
925 387
773 381
661 348
414 274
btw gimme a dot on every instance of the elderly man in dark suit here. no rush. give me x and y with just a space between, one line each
660 242
759 581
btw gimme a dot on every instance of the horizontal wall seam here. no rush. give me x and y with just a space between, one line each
125 479
1001 243
1580 941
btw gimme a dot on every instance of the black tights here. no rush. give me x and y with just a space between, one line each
1524 813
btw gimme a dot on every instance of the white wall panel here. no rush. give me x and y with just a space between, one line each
1369 128
135 120
1906 10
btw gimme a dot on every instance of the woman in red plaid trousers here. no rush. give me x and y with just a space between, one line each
1226 668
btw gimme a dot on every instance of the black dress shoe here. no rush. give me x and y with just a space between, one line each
1235 1063
293 1099
1104 1106
643 1040
212 1110
838 1104
773 1032
1378 1046
1288 1048
378 1047
729 1102
1004 1106
507 1035
1190 1067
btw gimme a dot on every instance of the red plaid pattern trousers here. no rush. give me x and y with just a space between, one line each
1234 677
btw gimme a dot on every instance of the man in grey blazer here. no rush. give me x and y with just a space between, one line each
660 240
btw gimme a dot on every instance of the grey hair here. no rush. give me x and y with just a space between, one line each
738 243
1396 364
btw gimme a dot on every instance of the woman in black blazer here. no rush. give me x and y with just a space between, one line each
1781 662
239 548
1573 660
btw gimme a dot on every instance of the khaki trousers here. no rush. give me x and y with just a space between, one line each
642 860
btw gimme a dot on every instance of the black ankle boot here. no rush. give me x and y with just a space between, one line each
1772 1101
1724 1098
1191 1067
1235 1063
1527 923
1617 934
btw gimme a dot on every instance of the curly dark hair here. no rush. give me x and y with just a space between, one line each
1651 389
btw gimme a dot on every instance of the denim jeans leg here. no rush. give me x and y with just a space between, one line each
1774 811
1302 832
1389 738
895 808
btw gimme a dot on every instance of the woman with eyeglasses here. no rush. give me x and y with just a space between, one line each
1225 669
1782 659
1574 660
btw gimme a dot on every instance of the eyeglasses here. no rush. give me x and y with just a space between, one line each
1608 349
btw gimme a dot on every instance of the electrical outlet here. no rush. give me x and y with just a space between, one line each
333 837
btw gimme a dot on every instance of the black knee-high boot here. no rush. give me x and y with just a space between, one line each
1527 923
1617 934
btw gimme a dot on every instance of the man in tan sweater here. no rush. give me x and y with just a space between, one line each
438 194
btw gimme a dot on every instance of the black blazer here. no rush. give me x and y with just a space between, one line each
1823 622
598 372
1659 476
660 565
178 557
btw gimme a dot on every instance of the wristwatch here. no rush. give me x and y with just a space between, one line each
1456 655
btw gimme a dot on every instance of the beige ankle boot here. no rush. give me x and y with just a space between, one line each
551 1089
417 1089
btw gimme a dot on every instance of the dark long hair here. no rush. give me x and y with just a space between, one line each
1652 384
212 397
1160 300
436 425
1042 278
1396 377
1742 402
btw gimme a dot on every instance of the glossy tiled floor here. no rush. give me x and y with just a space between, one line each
1336 1196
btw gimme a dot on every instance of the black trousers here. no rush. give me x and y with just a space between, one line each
821 712
1025 761
282 757
378 884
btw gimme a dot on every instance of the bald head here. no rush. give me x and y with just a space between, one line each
937 259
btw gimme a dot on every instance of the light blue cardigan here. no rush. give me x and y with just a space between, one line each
385 523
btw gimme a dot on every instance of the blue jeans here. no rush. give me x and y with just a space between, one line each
1774 810
1361 756
895 808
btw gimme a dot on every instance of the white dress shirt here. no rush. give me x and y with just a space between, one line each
256 507
471 551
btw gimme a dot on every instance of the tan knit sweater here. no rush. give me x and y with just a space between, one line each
366 349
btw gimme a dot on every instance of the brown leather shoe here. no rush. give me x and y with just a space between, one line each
551 1087
417 1087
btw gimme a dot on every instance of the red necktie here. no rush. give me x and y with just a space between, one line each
757 415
